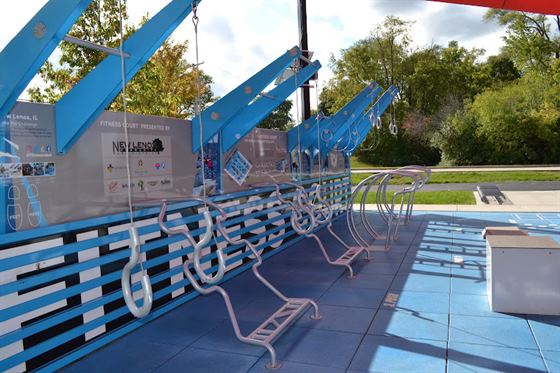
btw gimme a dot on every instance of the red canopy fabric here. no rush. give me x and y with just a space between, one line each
532 6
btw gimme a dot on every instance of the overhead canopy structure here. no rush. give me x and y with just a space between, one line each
532 6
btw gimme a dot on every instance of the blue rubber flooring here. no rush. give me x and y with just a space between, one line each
412 309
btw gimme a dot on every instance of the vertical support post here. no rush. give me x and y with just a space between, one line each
304 46
5 185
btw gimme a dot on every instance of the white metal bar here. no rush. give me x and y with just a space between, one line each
90 45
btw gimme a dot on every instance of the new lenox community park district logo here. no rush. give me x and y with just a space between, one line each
155 146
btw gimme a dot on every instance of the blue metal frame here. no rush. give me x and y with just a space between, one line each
337 124
293 133
251 116
356 107
217 116
363 126
77 110
29 49
339 190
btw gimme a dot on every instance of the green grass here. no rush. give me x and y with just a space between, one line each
357 164
477 177
432 198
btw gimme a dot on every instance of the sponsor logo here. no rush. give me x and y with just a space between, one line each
155 146
113 186
165 181
153 183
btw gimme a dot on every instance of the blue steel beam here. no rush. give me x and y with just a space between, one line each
309 135
353 134
349 112
77 110
307 125
337 124
250 117
367 97
364 125
217 116
29 49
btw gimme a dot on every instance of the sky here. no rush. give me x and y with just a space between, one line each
238 38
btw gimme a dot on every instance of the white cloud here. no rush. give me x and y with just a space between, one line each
237 39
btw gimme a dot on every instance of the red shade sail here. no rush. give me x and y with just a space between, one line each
532 6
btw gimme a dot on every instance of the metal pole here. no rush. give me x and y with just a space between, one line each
303 45
90 45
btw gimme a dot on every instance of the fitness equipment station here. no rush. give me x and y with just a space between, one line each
110 219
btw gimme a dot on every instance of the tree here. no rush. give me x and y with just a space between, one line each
501 69
165 86
517 123
530 41
280 119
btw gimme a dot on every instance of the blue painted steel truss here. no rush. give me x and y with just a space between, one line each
223 111
332 129
366 122
252 115
77 110
29 49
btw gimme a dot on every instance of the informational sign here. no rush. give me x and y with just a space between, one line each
209 161
238 168
39 187
336 163
150 163
267 153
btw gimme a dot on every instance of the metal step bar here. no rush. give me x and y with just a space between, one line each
279 320
274 325
304 211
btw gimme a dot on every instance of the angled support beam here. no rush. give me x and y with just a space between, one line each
250 117
364 126
360 103
217 116
306 128
310 134
77 110
22 58
332 128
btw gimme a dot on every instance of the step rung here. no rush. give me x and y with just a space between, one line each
349 256
287 312
263 332
260 337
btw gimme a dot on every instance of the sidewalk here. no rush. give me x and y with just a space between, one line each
478 208
471 169
533 201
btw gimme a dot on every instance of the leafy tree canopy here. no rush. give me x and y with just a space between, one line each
165 86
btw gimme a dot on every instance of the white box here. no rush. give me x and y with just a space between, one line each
523 274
